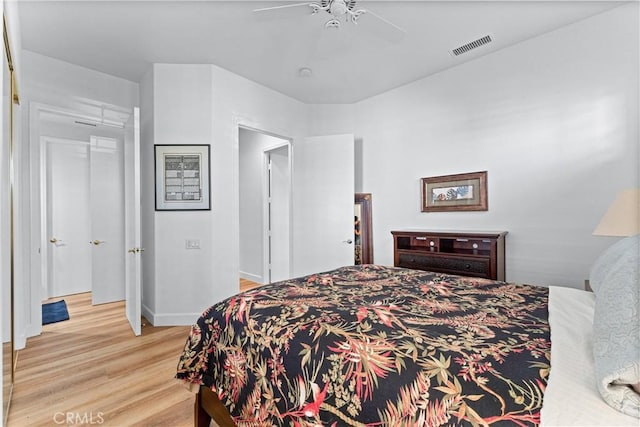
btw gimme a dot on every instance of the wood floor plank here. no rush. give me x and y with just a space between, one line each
92 369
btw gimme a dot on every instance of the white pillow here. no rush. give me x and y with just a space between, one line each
615 280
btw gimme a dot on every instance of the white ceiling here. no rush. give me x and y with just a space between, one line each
124 37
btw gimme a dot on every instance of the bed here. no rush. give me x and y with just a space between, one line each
382 346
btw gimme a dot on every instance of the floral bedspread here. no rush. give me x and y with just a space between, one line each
375 346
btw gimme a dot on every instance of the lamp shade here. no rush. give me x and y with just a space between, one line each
623 216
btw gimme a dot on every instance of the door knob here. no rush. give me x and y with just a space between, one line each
348 241
96 242
54 240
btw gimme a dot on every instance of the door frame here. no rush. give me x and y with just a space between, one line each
38 240
240 122
266 251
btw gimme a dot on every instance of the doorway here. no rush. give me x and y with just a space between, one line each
82 207
265 206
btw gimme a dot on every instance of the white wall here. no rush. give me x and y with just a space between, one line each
58 82
182 105
554 121
202 104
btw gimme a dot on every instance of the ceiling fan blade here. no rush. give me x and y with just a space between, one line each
382 27
284 11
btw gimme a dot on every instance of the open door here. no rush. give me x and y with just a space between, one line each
323 189
133 280
107 220
278 221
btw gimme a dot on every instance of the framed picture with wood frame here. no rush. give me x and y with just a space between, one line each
460 192
182 177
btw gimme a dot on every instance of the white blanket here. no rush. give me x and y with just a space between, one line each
572 398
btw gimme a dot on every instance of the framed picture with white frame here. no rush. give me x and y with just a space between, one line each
182 177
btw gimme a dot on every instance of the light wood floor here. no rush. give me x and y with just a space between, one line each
245 285
6 375
92 366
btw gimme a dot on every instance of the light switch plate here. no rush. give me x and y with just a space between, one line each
193 244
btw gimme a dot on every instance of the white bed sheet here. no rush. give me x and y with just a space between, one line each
571 397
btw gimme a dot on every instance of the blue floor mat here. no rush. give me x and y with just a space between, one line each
54 312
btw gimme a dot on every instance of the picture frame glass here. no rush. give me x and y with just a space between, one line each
182 177
455 192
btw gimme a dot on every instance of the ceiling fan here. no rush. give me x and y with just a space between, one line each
338 10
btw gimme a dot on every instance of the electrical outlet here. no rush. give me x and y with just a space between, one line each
193 244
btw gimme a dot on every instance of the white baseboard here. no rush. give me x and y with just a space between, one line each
20 342
147 313
169 319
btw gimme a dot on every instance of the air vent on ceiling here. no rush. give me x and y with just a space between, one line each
471 45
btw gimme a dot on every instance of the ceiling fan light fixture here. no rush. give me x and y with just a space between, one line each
338 8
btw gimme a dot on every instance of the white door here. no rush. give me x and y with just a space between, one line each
107 220
68 217
278 214
323 188
133 293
